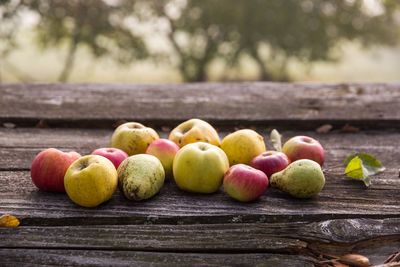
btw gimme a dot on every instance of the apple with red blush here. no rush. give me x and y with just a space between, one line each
115 155
165 150
304 147
270 162
245 183
49 167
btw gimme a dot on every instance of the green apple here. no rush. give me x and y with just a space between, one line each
194 130
140 176
242 146
91 180
200 167
133 138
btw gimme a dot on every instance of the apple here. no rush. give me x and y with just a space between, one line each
200 167
165 150
115 155
91 180
242 146
194 130
49 167
140 177
270 162
133 138
245 183
304 147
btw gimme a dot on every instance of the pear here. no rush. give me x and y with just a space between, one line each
302 179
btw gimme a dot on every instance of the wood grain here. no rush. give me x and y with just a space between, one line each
292 105
61 257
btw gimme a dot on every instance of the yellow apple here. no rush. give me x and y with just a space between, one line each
194 130
91 180
242 146
133 138
200 167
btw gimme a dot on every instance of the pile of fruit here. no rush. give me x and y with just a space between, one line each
193 157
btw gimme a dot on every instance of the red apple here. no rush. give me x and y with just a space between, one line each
304 147
245 183
270 162
115 155
49 167
165 150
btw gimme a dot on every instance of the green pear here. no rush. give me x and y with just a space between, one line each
302 179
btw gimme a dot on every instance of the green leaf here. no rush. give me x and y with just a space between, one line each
361 166
276 139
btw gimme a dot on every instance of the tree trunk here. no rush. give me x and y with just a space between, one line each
69 61
264 73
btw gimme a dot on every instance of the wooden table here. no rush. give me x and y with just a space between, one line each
180 229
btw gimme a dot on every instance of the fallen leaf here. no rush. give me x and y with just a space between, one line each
9 125
361 166
355 260
8 220
276 139
326 128
42 124
350 129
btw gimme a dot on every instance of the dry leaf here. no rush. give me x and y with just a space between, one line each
339 264
8 220
350 129
42 124
9 125
356 260
326 128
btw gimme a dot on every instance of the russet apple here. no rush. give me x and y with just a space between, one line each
91 180
49 167
245 183
200 167
165 150
242 146
304 147
270 162
194 130
140 176
115 155
133 138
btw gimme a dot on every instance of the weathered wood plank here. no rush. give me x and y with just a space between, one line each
341 235
284 104
19 146
60 257
172 206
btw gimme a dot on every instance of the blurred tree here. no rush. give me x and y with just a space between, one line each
9 25
270 32
100 25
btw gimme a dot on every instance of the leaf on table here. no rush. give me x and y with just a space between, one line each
361 166
355 260
276 139
8 220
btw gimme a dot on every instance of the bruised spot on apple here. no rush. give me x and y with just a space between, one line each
304 147
165 150
115 155
270 162
49 167
194 130
245 183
